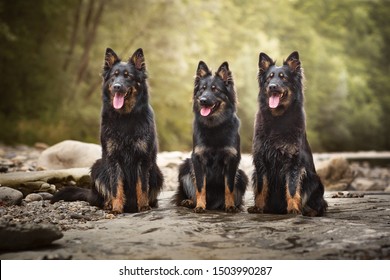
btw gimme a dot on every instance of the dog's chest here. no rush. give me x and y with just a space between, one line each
127 138
279 147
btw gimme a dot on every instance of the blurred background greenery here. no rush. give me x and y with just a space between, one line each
52 54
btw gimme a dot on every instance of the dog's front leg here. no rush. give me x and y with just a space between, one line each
118 201
118 197
200 184
260 190
230 177
142 187
293 190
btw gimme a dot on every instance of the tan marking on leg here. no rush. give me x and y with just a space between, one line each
201 198
260 198
294 203
119 200
229 200
142 197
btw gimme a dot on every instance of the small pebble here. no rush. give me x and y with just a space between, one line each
33 197
109 216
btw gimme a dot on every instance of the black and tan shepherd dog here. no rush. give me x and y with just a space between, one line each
284 179
126 178
210 179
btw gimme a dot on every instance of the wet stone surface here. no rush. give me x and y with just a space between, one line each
356 227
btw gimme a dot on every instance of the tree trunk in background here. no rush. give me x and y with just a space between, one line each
92 21
73 38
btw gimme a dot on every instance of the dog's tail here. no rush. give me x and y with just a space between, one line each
76 193
240 188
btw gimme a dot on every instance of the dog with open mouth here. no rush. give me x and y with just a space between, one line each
284 179
126 178
211 179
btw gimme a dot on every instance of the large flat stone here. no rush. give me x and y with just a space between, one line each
28 182
27 236
69 154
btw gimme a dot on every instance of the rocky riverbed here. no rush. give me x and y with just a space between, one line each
359 214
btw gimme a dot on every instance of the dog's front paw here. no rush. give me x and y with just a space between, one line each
144 208
296 211
232 209
255 210
199 210
294 206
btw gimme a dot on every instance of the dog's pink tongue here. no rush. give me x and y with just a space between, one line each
118 101
273 101
205 111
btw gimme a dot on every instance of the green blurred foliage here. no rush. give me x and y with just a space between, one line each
52 54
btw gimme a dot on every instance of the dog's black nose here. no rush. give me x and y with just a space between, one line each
203 101
117 87
274 87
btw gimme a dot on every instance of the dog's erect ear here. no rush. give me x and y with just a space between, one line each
264 62
293 61
110 59
225 74
138 60
202 70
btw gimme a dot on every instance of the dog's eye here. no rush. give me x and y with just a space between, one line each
214 88
204 87
282 76
116 73
271 75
